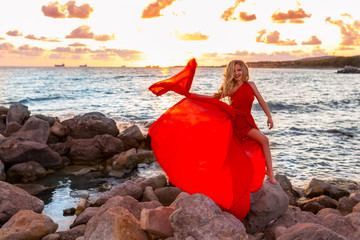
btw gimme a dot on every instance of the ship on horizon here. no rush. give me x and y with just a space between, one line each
59 65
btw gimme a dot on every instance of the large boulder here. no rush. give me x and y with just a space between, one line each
199 217
14 199
25 172
17 113
131 136
310 231
94 150
318 187
89 125
11 128
17 150
288 189
35 130
115 223
314 205
341 224
267 204
27 224
346 204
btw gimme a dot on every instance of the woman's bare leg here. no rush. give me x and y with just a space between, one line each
264 143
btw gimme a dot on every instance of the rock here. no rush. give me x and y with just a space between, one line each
119 161
356 208
69 212
90 125
267 204
354 218
52 236
199 217
123 189
325 211
50 120
61 148
314 205
35 130
132 136
286 185
342 225
2 172
310 231
149 195
156 221
27 224
116 223
14 199
149 205
85 216
167 195
17 113
16 150
154 182
58 129
11 128
127 202
94 150
34 189
82 205
25 172
291 217
3 110
73 233
346 205
317 188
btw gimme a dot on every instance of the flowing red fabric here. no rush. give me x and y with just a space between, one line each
195 145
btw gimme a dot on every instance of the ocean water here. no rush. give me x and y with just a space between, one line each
316 111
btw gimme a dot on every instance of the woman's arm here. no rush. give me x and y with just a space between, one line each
207 96
263 105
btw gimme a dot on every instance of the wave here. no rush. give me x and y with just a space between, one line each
43 99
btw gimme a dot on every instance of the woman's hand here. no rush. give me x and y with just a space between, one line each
270 123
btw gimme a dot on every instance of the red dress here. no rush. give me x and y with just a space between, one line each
196 145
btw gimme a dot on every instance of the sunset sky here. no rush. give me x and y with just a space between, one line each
170 32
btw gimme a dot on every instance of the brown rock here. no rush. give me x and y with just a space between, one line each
61 148
85 216
72 233
127 202
119 161
18 113
318 187
149 205
50 120
27 224
2 172
149 195
286 185
11 128
342 225
356 208
167 195
116 223
25 172
323 212
35 130
314 205
354 218
155 182
34 189
58 130
310 231
346 205
156 221
131 137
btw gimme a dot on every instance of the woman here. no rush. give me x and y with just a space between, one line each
206 146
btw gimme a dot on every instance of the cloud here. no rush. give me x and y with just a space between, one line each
247 18
77 44
350 32
83 32
68 10
313 40
228 13
291 16
153 9
273 38
28 51
6 46
345 48
14 33
197 36
1 38
42 38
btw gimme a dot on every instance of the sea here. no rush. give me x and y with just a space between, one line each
316 112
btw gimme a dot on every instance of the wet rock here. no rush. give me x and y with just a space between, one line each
17 150
58 129
123 189
35 189
199 217
90 125
149 195
167 195
69 212
291 217
2 172
73 233
310 231
267 204
155 182
85 216
132 136
14 199
27 224
94 150
35 130
342 225
115 223
156 221
318 187
314 205
18 113
25 172
286 185
82 205
11 128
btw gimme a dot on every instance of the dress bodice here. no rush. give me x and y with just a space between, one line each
242 99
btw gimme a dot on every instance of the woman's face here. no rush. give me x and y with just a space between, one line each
237 73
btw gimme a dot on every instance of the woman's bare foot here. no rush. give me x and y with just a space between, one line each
272 179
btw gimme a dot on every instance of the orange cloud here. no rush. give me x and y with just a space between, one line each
197 36
247 18
153 9
42 38
345 48
14 33
350 32
85 33
1 38
68 10
313 40
291 16
77 44
228 13
28 51
6 46
273 38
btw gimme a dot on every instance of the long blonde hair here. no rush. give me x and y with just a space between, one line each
228 82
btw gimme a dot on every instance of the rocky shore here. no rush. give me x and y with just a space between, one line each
35 146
